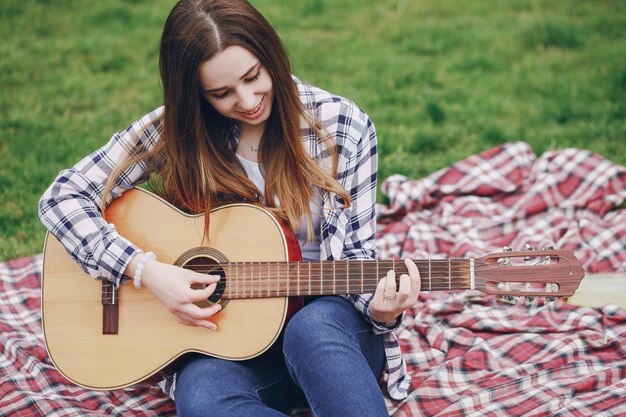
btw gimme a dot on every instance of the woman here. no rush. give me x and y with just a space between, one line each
236 125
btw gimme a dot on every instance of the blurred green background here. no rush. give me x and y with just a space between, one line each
441 80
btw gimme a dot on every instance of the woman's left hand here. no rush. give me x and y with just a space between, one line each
388 303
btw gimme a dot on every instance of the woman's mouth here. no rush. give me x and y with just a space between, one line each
256 112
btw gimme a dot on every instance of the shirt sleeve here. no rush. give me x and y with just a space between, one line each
70 207
359 243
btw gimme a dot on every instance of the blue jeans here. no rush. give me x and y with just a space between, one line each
330 360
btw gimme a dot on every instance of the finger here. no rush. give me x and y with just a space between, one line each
416 280
380 292
203 293
196 313
404 289
411 267
390 286
379 308
187 320
204 323
196 277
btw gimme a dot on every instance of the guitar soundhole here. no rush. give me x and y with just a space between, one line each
207 261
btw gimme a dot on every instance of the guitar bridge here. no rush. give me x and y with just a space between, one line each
110 307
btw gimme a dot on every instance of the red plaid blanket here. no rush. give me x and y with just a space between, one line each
468 356
508 197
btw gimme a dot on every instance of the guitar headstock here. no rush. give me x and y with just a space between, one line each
529 273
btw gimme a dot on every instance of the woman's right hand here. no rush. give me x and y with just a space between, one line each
172 286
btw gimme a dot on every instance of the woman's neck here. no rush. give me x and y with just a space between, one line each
250 140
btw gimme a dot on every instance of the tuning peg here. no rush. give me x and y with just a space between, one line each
550 299
547 259
527 247
506 261
508 299
529 299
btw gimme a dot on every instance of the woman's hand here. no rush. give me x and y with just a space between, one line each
388 303
172 286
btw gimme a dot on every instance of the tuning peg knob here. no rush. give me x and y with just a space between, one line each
547 259
529 299
528 247
508 299
506 261
550 299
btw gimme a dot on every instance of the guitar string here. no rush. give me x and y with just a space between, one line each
283 273
322 275
478 265
437 283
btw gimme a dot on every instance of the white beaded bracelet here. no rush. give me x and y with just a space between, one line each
139 269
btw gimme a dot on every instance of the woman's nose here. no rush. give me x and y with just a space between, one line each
247 100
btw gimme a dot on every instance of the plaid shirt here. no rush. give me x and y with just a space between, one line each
69 208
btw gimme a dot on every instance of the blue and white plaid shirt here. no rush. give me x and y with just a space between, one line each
70 206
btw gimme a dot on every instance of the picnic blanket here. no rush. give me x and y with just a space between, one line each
467 355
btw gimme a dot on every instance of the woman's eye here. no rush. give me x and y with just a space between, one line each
255 77
221 96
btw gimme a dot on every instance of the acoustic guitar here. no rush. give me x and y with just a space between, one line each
103 337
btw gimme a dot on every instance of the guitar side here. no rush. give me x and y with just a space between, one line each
148 337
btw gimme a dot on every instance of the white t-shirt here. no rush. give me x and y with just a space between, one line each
310 250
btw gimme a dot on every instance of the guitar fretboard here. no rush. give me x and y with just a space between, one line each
280 279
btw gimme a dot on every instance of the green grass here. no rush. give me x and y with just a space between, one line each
441 80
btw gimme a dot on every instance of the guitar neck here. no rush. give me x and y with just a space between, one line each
281 279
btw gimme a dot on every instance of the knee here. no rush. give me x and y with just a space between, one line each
199 392
198 401
317 324
195 401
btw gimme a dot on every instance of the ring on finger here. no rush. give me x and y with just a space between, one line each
388 297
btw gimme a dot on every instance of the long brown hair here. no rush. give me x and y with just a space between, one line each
196 163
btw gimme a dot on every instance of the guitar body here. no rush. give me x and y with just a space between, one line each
148 337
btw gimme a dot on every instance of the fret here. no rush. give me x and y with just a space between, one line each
298 266
393 267
362 289
377 269
449 274
269 269
430 275
248 284
242 275
471 273
278 278
242 278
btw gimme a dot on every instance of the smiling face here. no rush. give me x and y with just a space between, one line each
238 86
